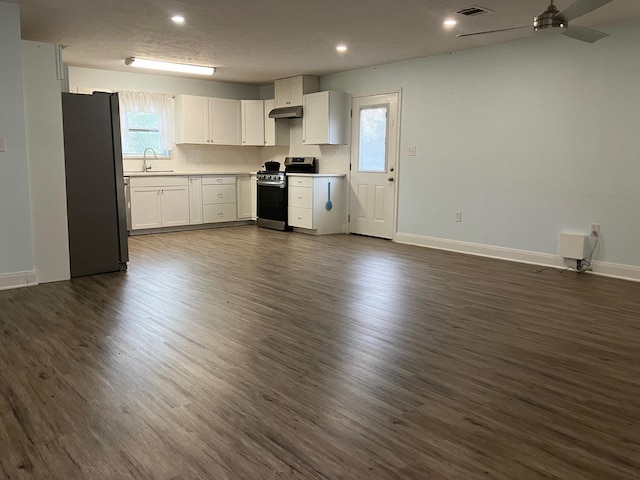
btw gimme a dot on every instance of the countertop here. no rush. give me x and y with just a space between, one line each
160 173
316 174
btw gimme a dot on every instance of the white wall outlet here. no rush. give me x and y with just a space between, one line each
458 216
412 151
2 145
595 229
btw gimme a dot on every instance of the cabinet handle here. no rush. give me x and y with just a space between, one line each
221 214
219 180
299 218
220 195
300 197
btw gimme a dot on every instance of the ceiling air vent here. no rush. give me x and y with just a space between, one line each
474 11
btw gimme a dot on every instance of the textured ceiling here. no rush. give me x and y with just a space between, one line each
257 41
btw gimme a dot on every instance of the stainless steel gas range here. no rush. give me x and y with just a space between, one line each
273 193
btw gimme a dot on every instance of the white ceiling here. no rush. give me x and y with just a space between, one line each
257 41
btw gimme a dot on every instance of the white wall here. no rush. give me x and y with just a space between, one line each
192 158
527 139
45 150
16 262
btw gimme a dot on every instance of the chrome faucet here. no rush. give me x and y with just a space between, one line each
145 167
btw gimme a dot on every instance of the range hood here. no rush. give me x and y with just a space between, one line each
286 112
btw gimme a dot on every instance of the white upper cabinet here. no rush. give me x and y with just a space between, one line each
225 126
289 91
324 118
209 121
194 117
253 122
275 132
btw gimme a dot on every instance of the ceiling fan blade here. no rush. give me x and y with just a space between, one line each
492 31
581 7
584 34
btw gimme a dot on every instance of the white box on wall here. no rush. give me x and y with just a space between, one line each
573 245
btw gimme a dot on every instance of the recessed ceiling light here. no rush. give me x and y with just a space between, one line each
450 22
177 19
341 48
169 67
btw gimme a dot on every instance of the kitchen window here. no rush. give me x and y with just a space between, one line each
146 120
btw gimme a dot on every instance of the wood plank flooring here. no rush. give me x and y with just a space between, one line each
244 353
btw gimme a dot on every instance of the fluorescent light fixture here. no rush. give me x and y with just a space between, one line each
450 22
169 67
177 19
341 48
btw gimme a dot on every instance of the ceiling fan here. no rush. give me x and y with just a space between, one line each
552 18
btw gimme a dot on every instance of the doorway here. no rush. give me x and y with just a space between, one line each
374 163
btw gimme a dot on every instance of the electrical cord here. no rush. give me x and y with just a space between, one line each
558 270
586 263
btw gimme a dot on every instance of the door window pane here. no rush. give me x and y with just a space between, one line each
373 140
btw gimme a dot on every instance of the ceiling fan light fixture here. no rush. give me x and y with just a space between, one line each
550 18
168 67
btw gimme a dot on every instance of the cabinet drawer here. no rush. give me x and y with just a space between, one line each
301 181
159 181
301 197
224 212
218 180
300 217
218 194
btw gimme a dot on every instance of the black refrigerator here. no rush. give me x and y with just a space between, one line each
96 206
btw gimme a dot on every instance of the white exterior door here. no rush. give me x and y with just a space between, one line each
374 158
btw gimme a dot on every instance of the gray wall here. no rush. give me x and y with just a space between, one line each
527 139
83 78
15 218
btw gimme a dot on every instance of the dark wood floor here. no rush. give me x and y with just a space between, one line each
244 353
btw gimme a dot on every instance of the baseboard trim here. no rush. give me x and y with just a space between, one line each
606 269
17 280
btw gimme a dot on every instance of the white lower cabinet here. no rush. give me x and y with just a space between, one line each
219 203
245 197
159 202
317 203
195 200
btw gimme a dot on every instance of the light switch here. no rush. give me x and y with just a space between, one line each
412 151
2 147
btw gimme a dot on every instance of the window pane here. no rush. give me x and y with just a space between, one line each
138 141
373 140
143 120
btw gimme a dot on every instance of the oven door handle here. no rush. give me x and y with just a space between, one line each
271 184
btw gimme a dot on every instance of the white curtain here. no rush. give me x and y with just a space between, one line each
147 102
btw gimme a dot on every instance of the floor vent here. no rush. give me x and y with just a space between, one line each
474 11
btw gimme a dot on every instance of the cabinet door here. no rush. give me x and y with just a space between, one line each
324 118
315 122
296 90
225 127
282 89
252 122
245 207
175 206
275 133
145 208
195 200
194 117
